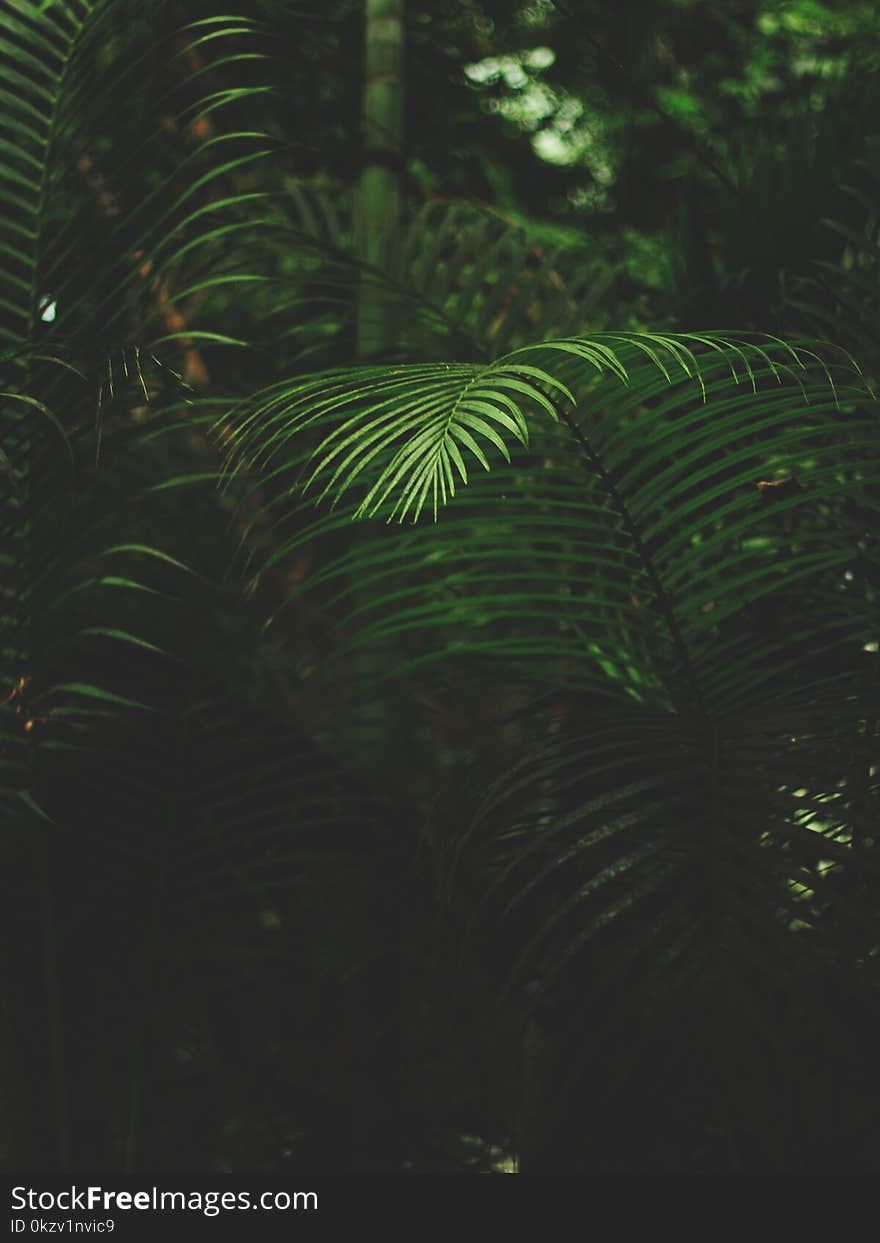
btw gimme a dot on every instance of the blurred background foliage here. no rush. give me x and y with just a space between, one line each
236 789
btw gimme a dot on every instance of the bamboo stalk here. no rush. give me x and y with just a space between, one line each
378 213
379 202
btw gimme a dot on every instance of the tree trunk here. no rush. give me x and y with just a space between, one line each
379 200
372 994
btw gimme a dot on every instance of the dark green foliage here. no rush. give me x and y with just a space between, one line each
473 752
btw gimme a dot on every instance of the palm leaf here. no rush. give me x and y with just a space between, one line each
674 537
662 493
460 278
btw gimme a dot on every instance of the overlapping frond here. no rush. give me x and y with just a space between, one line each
674 537
92 602
685 887
84 168
462 281
844 295
644 538
86 171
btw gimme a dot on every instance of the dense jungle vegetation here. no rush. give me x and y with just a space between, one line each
439 562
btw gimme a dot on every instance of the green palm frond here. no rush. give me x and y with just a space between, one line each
36 49
162 220
649 607
434 419
674 537
645 810
484 279
93 588
845 294
85 170
665 481
695 881
461 279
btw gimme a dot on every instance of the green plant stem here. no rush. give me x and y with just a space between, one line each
665 604
379 193
378 217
